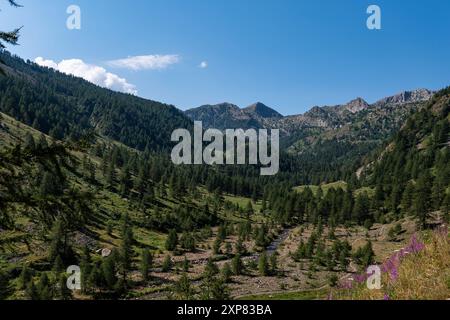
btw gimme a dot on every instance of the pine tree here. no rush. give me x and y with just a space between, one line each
10 37
85 267
29 142
186 265
228 248
48 185
167 264
125 181
172 240
43 287
263 265
125 249
108 270
57 244
274 263
237 265
32 292
25 277
226 272
365 255
211 269
361 208
216 246
249 209
63 292
407 198
110 175
146 264
183 289
109 227
187 241
4 286
58 265
422 200
214 288
240 249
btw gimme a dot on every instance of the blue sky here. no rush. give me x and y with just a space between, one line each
291 55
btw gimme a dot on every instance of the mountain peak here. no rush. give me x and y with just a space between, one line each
356 105
418 95
263 111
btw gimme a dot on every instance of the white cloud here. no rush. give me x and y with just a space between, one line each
91 73
149 62
203 65
46 63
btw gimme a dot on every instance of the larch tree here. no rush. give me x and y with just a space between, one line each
9 37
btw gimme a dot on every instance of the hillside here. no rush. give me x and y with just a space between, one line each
67 107
422 273
411 174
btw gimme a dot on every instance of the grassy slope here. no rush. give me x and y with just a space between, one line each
424 275
14 252
325 187
334 185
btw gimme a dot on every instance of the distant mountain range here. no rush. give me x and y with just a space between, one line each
227 115
331 140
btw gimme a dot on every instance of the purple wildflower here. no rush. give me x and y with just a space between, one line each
360 278
394 274
415 245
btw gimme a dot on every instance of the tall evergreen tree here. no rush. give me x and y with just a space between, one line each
146 263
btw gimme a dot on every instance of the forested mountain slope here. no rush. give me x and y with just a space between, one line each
412 174
64 106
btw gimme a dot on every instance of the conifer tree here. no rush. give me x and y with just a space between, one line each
172 240
31 291
237 265
183 289
58 265
10 37
263 265
167 264
43 288
63 292
274 263
227 272
211 269
422 199
25 277
85 266
125 249
186 265
108 270
146 263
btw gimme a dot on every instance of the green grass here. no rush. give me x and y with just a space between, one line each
368 190
242 202
335 185
325 187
